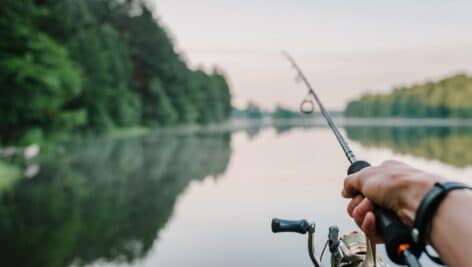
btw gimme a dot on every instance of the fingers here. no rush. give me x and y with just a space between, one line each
353 183
353 204
361 209
369 227
365 218
359 213
351 186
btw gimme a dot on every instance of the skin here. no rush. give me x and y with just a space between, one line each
400 188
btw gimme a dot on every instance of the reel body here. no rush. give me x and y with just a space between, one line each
349 250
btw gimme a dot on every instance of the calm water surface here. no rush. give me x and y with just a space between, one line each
201 199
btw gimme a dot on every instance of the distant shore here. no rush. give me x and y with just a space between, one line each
238 124
343 121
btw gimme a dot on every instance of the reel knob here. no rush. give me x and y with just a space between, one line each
300 226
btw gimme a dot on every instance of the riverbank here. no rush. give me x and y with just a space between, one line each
350 122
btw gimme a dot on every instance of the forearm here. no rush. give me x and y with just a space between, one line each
451 232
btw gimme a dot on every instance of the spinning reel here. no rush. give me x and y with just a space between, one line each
349 250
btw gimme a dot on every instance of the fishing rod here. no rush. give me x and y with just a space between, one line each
397 236
347 150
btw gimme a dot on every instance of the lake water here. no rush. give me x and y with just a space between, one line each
202 198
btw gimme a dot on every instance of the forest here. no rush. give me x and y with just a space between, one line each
97 64
447 98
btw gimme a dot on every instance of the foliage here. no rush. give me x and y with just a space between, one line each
286 113
37 76
10 174
252 111
69 64
450 97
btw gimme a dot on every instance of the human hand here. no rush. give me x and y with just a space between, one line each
393 185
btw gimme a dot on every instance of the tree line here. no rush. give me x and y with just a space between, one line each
101 64
449 97
254 112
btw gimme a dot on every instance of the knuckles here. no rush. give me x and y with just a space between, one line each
390 163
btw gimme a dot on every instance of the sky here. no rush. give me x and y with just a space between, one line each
346 48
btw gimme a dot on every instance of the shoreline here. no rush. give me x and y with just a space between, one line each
242 124
352 122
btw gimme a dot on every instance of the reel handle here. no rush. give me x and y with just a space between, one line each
395 234
300 226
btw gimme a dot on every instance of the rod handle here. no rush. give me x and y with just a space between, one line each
356 166
394 233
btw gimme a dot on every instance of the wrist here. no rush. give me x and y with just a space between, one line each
439 224
450 235
439 196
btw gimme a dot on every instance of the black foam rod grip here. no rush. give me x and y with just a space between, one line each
280 225
389 226
394 234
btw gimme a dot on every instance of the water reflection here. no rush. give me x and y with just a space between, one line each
101 201
451 145
97 198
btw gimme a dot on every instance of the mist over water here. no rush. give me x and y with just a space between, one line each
201 199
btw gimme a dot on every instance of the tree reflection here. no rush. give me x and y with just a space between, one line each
451 145
103 199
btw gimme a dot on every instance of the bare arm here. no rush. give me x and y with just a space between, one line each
400 187
451 233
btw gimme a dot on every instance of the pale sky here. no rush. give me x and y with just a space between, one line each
345 47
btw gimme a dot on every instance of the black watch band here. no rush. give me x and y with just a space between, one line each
426 211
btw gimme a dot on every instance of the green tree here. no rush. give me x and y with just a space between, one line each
450 97
71 64
162 111
39 80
